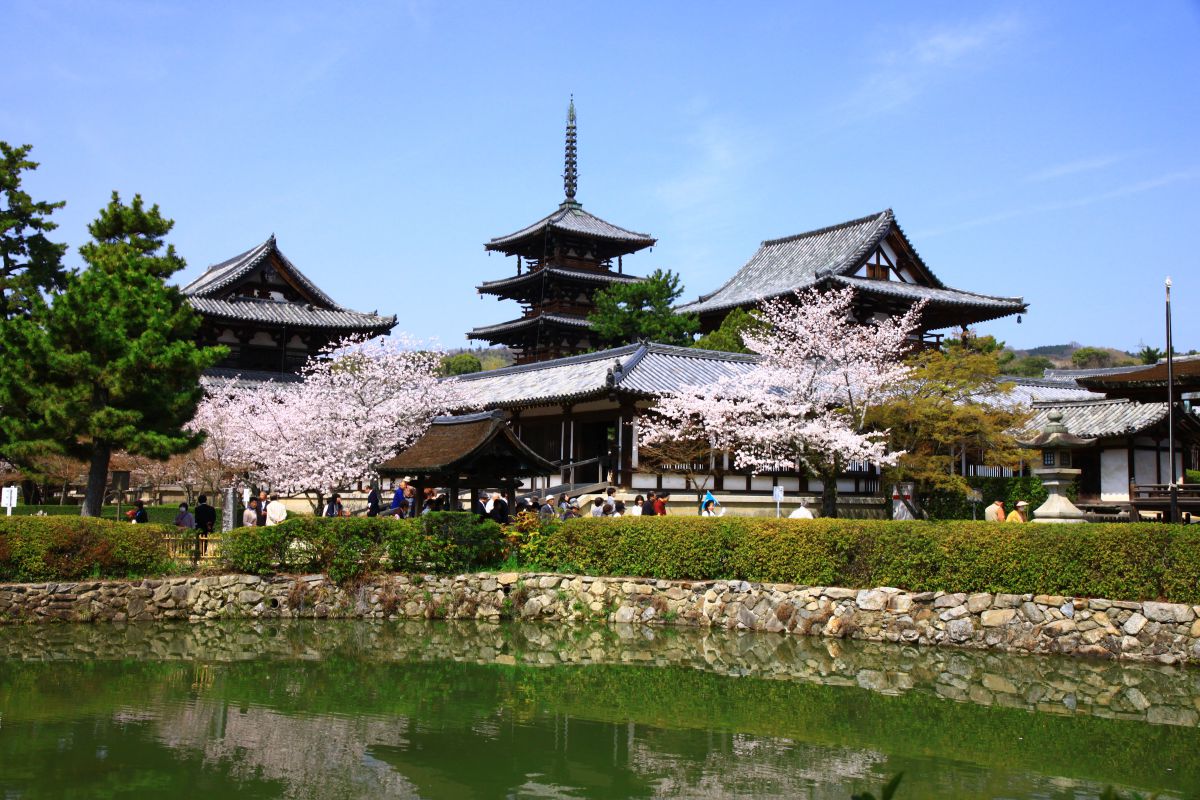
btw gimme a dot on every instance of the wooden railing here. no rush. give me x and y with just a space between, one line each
192 546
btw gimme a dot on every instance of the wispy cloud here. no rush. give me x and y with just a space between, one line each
1138 187
1075 167
922 59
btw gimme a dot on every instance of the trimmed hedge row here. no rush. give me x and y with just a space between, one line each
159 515
346 548
1118 561
72 548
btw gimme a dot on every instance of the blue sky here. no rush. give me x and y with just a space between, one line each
1047 150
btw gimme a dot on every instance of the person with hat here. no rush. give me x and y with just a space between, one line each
1020 513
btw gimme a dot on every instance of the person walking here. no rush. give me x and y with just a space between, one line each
995 512
660 504
1020 513
598 506
206 516
709 509
373 501
648 509
499 511
261 509
184 518
250 515
610 497
276 512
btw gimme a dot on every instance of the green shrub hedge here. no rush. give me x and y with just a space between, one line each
1119 561
346 548
73 548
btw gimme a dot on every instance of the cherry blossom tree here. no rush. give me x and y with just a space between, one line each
805 403
357 404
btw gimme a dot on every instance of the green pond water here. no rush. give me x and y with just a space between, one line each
331 709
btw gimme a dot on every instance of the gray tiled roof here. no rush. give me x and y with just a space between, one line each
647 369
571 218
914 292
276 312
1071 375
1028 391
784 266
244 378
1100 418
528 322
227 273
587 276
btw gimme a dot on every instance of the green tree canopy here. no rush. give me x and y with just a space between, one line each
1149 355
110 362
29 262
1028 367
728 337
952 401
461 364
628 312
1091 358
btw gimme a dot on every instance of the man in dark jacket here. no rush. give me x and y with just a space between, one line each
206 516
648 509
373 502
499 510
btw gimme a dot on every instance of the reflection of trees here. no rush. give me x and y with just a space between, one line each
361 709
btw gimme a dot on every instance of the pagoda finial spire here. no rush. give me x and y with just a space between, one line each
571 170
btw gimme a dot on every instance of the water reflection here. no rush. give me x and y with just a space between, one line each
373 709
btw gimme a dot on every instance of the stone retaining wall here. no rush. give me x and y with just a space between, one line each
1168 633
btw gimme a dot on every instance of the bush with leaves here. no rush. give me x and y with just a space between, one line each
73 548
1119 561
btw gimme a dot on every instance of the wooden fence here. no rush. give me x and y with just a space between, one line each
192 546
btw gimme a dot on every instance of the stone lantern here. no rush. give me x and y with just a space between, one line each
1056 472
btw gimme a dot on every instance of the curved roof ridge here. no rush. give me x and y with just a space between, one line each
883 221
225 273
887 212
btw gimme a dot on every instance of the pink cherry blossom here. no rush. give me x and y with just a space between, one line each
805 403
357 405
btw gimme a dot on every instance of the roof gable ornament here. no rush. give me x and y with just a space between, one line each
571 164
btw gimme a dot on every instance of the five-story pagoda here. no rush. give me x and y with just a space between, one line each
563 259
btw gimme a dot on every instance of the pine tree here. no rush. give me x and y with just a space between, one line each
628 312
29 262
110 361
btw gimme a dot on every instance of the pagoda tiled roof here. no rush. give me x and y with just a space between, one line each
279 312
229 272
645 369
528 322
216 377
212 295
562 273
833 254
571 218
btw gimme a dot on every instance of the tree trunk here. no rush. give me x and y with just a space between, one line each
97 481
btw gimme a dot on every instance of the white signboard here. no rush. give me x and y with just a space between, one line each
778 491
8 498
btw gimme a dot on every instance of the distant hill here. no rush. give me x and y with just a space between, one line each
1051 351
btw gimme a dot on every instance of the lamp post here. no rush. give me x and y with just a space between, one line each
1174 489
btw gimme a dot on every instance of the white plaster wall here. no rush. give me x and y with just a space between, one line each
1143 467
1114 474
761 483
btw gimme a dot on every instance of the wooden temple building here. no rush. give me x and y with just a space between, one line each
269 315
563 259
873 256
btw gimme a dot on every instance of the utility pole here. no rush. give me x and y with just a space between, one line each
1174 488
